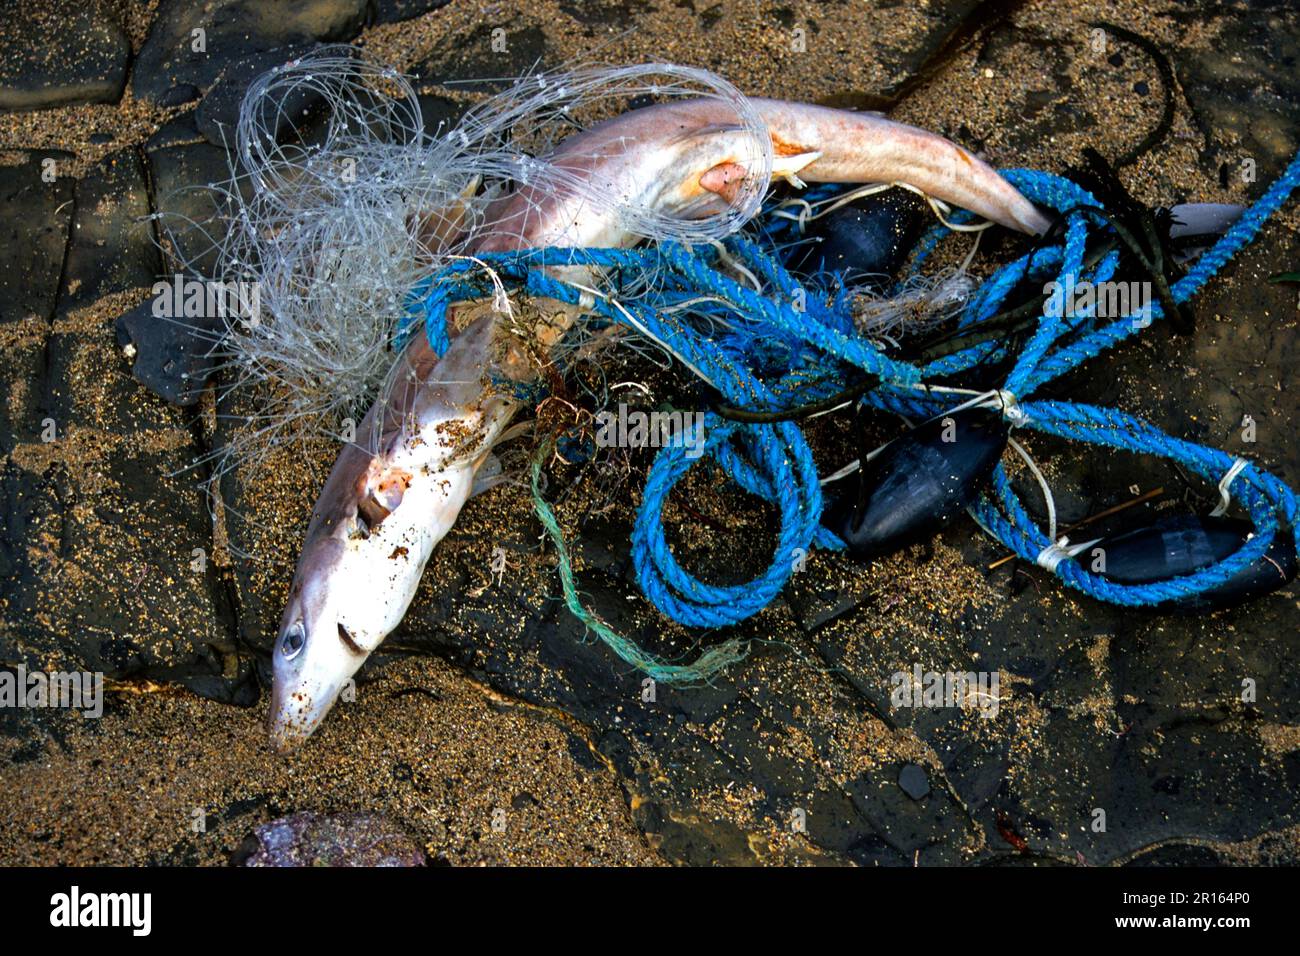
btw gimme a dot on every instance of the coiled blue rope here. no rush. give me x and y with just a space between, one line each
790 345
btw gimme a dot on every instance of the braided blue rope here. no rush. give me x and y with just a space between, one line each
779 356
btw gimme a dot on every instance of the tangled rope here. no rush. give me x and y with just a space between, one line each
787 346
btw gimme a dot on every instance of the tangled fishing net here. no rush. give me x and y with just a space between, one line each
366 228
340 199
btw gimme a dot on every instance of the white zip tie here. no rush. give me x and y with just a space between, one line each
1011 409
1054 554
1225 499
1001 399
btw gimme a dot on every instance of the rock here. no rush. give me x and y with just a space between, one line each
35 218
746 737
438 113
913 781
345 839
218 114
181 130
394 11
189 217
35 213
600 13
179 94
112 247
60 52
1243 89
107 546
172 359
169 66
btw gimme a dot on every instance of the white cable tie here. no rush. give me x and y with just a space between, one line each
1054 554
1011 409
1225 499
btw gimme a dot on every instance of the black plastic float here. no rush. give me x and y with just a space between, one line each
871 236
919 483
1184 544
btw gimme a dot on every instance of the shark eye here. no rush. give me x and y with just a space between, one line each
293 641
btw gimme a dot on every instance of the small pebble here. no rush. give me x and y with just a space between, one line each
914 781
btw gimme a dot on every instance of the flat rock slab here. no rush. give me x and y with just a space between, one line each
107 543
218 114
394 11
35 214
178 63
61 52
36 210
1244 90
112 247
189 214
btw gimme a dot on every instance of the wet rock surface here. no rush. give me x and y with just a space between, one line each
218 113
395 11
193 42
64 51
1109 737
1242 90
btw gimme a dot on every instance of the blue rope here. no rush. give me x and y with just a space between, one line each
789 345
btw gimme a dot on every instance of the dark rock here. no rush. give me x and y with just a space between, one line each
1243 89
35 218
180 130
107 565
439 113
112 247
601 13
187 217
394 11
35 213
172 358
168 66
1179 855
218 114
977 772
179 94
60 52
914 781
107 545
345 839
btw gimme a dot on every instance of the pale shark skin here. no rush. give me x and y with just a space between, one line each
376 523
685 159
